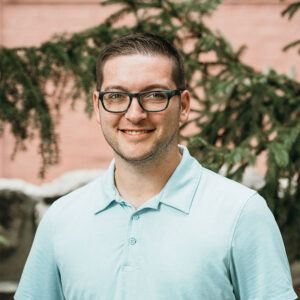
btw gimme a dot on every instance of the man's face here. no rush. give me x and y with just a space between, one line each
137 135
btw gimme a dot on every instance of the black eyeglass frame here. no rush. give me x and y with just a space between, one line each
169 93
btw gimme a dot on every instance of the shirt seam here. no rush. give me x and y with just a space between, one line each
52 232
237 219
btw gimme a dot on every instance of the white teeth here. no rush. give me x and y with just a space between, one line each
132 132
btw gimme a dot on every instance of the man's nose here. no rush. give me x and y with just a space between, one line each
135 112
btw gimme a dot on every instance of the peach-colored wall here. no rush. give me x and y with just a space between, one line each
256 23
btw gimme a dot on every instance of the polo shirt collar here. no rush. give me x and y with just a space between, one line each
180 189
178 192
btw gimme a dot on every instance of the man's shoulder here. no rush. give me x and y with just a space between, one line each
219 186
220 201
77 201
213 184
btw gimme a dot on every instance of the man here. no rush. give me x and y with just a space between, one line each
157 225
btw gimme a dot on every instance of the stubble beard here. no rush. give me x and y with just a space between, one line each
159 151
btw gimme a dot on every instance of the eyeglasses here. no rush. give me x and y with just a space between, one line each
150 101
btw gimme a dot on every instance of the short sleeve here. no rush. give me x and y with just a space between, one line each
259 267
40 278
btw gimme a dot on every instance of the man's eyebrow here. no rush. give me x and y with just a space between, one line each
156 86
115 87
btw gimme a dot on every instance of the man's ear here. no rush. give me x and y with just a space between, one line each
185 106
96 105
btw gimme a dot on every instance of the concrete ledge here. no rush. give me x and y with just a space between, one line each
295 269
58 187
8 287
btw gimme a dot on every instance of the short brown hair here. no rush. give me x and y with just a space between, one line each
146 44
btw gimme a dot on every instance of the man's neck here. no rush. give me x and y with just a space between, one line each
138 183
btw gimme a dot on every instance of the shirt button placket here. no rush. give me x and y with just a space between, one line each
132 240
131 261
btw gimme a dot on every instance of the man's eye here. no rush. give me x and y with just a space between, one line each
156 95
115 96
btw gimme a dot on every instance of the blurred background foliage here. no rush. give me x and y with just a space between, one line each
239 113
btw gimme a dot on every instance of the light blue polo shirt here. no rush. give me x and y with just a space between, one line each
202 237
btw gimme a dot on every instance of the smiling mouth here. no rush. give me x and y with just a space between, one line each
136 132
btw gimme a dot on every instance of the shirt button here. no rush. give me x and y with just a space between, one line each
132 241
136 217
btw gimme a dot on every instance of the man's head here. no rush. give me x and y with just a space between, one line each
140 101
145 44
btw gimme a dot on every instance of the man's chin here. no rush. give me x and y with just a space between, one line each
136 158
